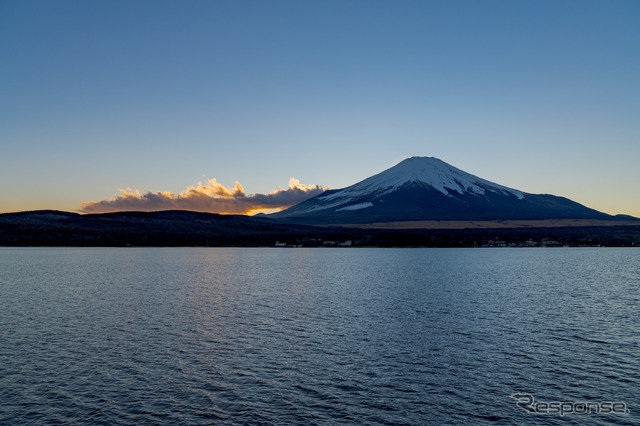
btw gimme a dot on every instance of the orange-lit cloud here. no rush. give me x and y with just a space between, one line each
206 197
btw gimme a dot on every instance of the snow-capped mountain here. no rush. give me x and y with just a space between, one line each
426 188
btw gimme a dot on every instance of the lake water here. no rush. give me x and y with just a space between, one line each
317 336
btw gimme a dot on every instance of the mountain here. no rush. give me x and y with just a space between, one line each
427 188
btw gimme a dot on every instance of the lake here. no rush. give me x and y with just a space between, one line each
319 336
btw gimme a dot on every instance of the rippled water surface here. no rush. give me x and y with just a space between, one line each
316 336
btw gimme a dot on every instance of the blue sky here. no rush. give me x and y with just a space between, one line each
542 96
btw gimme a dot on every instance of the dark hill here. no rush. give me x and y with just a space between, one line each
164 228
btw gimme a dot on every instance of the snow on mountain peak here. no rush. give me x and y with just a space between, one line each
429 170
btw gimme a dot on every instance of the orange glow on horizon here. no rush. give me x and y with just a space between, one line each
265 211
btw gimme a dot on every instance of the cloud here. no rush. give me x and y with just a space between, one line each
206 197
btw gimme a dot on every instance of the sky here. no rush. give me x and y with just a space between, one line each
237 106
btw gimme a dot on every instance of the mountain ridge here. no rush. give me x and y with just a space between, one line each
180 228
427 188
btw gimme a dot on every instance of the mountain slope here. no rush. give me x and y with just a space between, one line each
426 188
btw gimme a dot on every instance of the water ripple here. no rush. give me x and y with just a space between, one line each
357 336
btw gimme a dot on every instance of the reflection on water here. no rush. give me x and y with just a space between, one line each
325 336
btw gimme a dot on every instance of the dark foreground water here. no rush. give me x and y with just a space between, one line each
317 336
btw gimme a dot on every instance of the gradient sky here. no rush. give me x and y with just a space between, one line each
97 96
